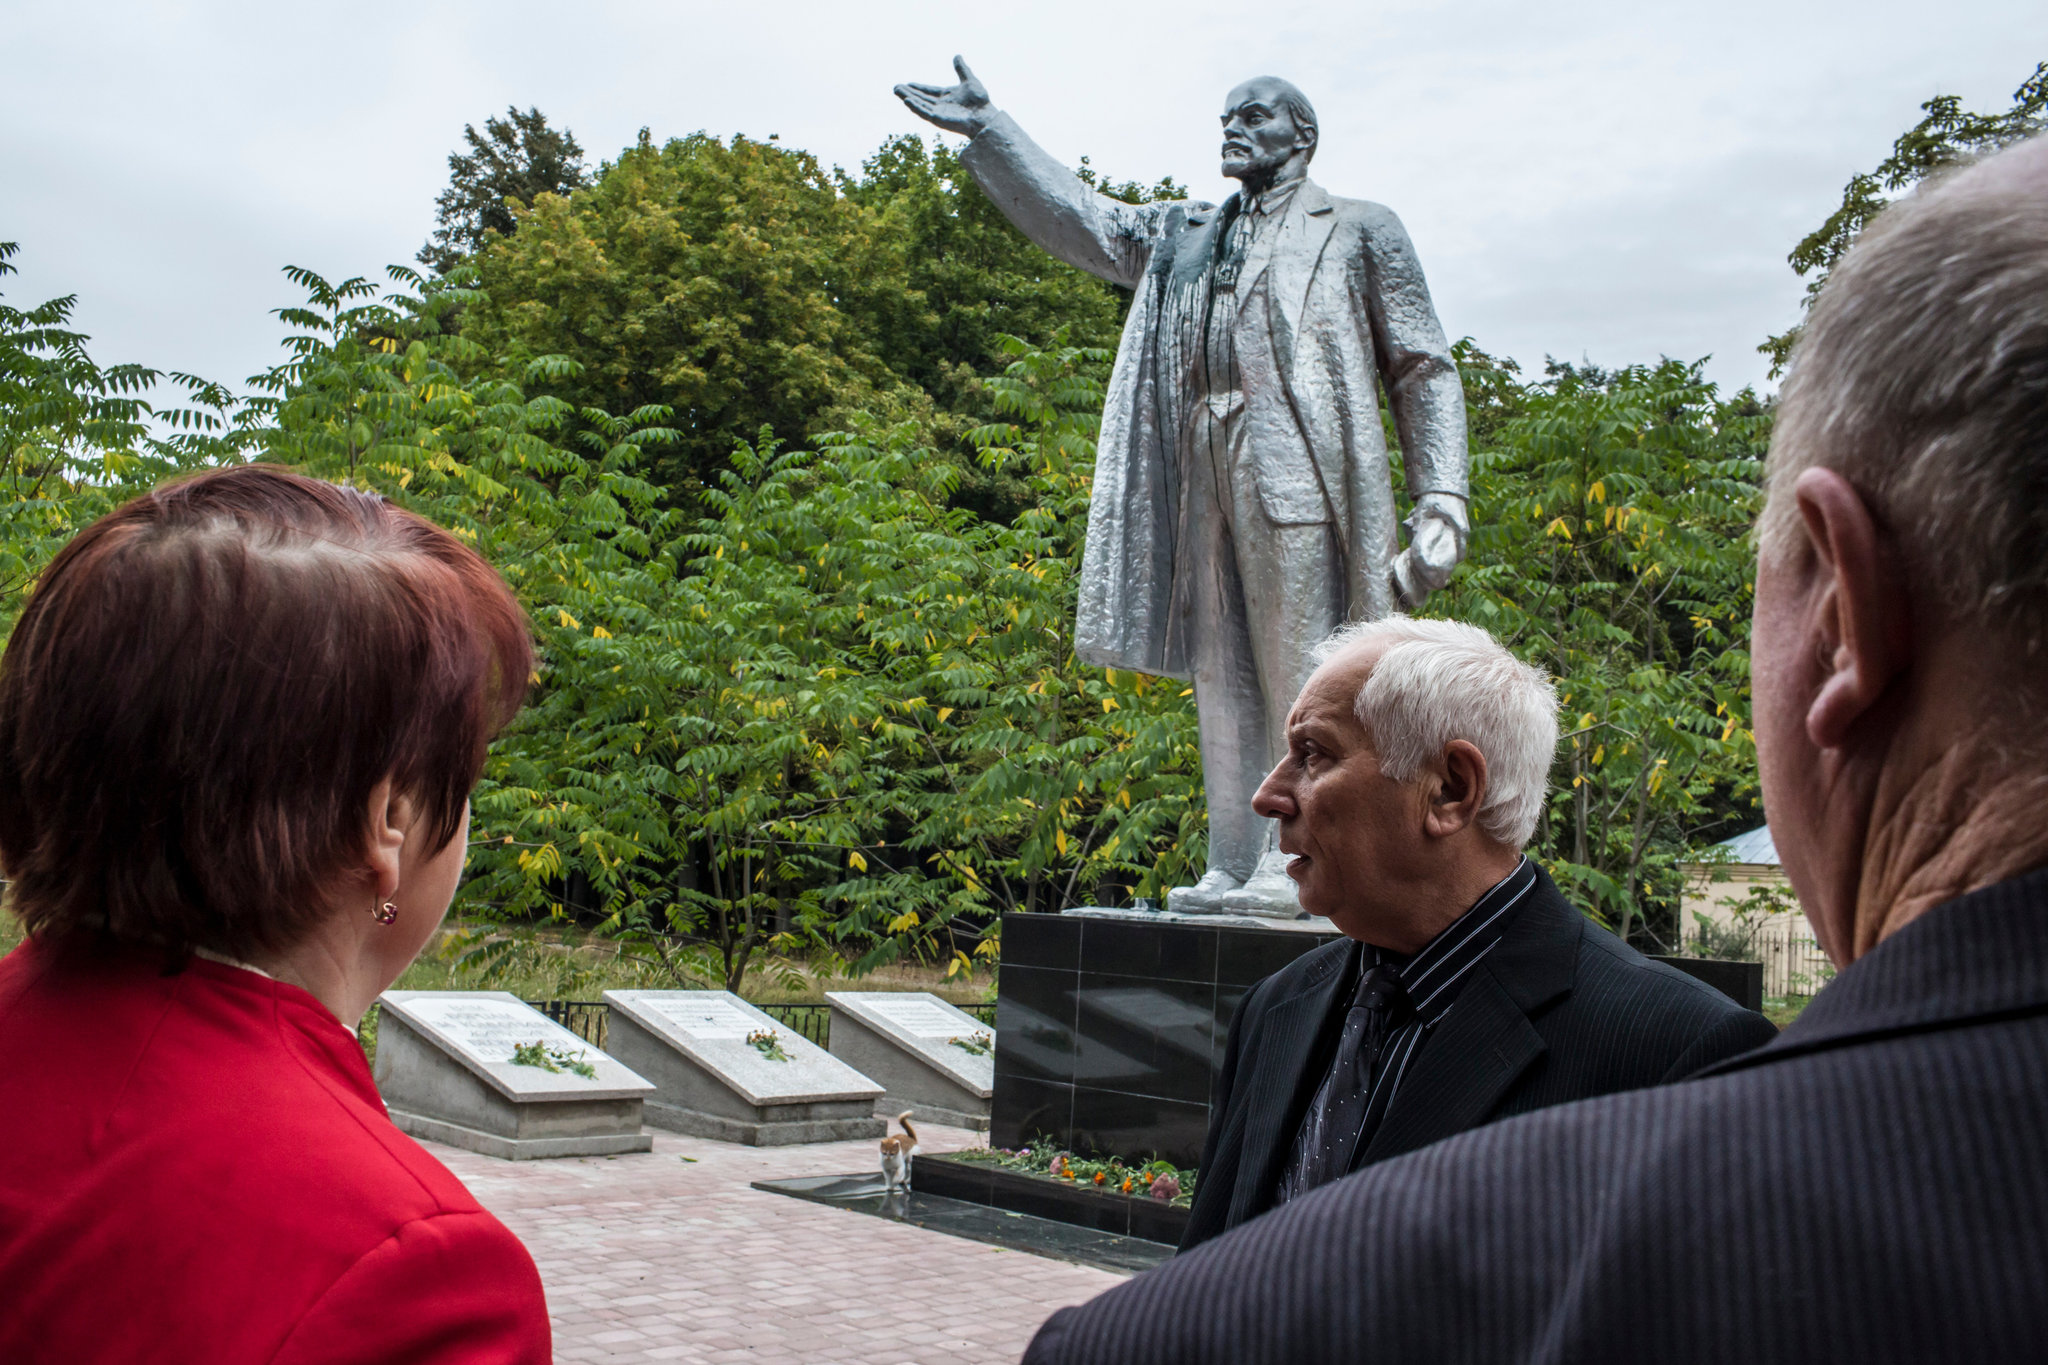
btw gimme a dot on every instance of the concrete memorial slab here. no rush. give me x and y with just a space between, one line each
486 1071
726 1070
933 1059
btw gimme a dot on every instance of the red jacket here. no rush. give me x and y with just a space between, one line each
196 1167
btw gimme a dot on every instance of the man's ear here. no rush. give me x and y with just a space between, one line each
1862 620
1458 790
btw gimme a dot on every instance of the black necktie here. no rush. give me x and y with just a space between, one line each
1378 1007
1237 243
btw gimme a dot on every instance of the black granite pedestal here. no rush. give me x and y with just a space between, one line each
1109 1032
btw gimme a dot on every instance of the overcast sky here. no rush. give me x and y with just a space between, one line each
1616 181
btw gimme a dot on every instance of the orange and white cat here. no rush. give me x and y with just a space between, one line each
896 1154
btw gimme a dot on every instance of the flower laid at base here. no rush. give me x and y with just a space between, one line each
976 1044
1160 1180
553 1059
768 1043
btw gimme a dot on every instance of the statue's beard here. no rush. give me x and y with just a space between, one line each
1255 168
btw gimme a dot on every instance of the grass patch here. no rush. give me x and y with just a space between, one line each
1783 1009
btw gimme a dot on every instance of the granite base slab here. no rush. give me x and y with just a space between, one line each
1300 924
857 1121
1046 1237
514 1148
1742 982
923 1111
1111 1025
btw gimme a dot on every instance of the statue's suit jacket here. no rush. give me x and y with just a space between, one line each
1870 1187
1560 1010
1348 310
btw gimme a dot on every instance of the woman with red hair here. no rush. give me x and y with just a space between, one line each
239 722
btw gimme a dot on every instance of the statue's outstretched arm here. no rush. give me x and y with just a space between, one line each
1047 202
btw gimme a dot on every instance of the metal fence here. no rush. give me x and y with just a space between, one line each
812 1021
1793 961
590 1019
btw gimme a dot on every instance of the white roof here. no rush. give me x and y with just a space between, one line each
1752 847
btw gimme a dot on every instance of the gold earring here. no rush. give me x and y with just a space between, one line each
386 913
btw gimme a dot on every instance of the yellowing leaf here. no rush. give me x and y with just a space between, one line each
1059 841
904 922
568 621
600 633
856 862
942 713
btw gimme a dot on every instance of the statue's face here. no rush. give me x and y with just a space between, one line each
1259 135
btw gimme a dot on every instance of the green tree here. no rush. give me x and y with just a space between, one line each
517 158
1611 547
852 724
722 281
376 392
78 439
1946 134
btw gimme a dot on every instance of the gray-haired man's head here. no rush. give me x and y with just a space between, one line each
1417 757
1902 586
1922 378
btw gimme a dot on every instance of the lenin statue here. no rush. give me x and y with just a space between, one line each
1243 507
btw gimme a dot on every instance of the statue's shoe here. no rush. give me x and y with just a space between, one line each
1205 897
1270 891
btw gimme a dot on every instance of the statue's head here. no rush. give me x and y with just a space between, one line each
1267 124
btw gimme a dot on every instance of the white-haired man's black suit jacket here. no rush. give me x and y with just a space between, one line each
1560 1010
1871 1187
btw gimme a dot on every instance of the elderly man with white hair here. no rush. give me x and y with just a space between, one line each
1468 989
1871 1186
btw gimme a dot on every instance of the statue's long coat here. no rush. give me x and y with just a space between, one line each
1348 309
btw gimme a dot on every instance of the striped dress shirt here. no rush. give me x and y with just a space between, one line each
1430 981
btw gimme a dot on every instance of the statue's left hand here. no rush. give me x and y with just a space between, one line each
1436 542
962 108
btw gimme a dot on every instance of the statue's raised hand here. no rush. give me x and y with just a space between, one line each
962 108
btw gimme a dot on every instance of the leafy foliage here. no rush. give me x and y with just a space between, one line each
1945 135
78 439
1611 516
743 286
719 281
851 723
517 158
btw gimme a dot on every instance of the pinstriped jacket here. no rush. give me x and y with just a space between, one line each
1560 1010
1870 1187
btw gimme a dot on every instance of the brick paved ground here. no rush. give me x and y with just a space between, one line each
651 1257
